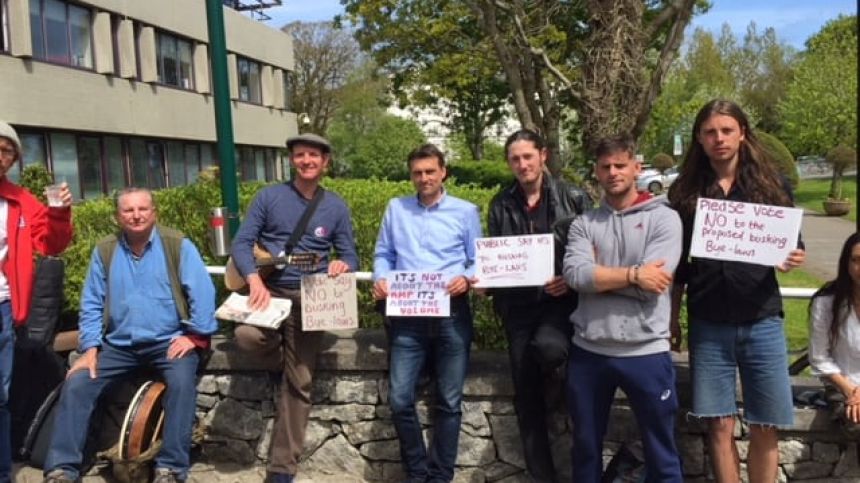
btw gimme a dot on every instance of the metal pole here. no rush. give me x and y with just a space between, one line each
223 114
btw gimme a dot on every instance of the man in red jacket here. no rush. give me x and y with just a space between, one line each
26 226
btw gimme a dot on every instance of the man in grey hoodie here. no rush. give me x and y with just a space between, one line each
620 258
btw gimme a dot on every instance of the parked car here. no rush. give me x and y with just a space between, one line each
656 182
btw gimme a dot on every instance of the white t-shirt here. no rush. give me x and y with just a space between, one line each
4 249
844 357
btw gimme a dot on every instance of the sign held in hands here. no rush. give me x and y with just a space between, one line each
417 294
514 261
744 232
329 303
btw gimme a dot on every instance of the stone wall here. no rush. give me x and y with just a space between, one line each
350 431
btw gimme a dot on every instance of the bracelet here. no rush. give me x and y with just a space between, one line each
636 274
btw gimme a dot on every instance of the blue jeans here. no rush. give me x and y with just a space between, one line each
80 394
757 350
7 355
649 383
446 341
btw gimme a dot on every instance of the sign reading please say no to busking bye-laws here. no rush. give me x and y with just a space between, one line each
417 294
329 303
514 261
744 232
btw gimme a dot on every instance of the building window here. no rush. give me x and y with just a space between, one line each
147 163
61 33
114 163
288 90
174 61
64 161
250 89
90 166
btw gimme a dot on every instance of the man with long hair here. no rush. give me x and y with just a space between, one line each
734 308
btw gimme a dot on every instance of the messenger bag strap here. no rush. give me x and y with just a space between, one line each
303 221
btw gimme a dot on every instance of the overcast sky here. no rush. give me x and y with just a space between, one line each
793 20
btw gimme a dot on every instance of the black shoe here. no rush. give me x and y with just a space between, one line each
280 478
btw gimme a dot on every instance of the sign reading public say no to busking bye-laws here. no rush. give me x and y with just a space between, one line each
514 261
417 294
329 303
744 232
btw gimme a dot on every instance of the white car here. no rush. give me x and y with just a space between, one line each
655 182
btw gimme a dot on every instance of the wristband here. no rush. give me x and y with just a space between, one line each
636 274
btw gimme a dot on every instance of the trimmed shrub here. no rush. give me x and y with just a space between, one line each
486 174
840 158
784 159
36 178
662 162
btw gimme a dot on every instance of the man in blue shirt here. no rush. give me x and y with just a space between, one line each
143 327
270 221
428 232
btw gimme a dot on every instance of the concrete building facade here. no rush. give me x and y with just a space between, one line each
113 93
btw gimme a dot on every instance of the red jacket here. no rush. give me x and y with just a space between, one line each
30 226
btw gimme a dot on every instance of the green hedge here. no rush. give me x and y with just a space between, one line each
487 174
187 208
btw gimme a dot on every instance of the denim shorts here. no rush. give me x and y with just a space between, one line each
757 350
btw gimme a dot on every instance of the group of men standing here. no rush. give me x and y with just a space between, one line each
606 319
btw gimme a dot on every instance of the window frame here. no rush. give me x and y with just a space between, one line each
43 55
248 62
177 41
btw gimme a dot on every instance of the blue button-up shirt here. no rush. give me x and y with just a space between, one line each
142 308
436 238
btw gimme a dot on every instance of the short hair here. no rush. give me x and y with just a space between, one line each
622 142
129 190
425 151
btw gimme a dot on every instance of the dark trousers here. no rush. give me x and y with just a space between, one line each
649 383
538 342
298 351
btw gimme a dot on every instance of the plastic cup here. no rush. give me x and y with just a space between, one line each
52 192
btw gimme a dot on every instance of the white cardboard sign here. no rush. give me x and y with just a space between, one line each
744 232
514 261
329 303
417 294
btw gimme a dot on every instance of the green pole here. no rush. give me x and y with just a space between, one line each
223 114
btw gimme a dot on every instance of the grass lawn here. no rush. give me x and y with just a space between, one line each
811 192
796 310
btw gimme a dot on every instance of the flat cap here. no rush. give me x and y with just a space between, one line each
311 139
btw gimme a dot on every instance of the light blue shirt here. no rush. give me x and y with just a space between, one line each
142 309
438 238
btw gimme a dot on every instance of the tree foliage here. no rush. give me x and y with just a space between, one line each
820 107
755 73
604 60
367 141
840 157
662 162
324 58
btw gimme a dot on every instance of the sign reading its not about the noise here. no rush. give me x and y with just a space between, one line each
417 294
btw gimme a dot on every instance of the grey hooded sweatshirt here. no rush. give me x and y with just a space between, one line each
629 321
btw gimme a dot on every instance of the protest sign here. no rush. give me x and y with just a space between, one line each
514 261
744 232
417 294
329 303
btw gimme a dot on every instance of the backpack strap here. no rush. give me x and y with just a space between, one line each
171 240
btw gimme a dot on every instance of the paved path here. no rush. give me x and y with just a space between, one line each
824 236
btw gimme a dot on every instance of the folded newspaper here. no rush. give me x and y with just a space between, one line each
236 308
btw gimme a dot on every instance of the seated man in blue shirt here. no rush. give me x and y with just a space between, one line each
142 326
428 232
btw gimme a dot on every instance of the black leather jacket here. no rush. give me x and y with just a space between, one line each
507 217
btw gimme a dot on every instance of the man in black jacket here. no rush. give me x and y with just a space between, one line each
536 319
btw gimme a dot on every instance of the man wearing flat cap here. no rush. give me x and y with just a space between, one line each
270 221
